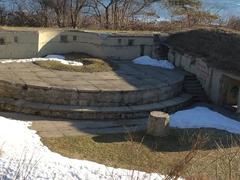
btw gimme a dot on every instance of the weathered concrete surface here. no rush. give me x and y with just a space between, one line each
129 85
49 127
130 92
19 44
40 42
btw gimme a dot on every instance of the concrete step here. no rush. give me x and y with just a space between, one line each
191 81
79 97
190 78
194 88
115 126
202 94
94 113
195 91
193 84
200 98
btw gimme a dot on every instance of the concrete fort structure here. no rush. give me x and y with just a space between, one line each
219 76
222 87
130 92
37 43
127 93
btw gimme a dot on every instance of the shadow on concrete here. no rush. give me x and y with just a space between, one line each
56 127
99 45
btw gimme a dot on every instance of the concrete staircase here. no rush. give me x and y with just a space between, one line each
94 113
193 86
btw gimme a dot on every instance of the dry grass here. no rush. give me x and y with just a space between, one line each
113 150
234 23
170 155
90 64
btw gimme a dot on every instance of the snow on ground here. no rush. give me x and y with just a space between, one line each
146 60
53 57
25 157
202 117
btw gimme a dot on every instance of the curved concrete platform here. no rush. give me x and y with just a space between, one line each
130 85
130 92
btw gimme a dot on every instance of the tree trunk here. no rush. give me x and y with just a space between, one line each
158 124
107 18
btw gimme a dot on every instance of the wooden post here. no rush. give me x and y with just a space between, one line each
158 124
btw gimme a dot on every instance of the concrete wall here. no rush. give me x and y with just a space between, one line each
210 78
18 44
43 42
100 45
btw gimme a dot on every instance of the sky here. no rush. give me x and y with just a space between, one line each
225 8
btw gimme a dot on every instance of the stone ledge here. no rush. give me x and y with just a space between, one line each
90 113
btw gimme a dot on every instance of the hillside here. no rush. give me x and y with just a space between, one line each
220 47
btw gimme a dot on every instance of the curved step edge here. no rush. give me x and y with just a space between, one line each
94 113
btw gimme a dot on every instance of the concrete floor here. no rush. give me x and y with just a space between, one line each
52 127
127 77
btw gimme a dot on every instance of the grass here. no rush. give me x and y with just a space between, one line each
149 154
113 150
90 64
220 47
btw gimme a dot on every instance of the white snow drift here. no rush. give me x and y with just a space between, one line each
58 58
25 157
202 117
146 60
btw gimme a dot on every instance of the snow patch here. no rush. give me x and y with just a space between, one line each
58 58
202 117
55 56
25 157
146 60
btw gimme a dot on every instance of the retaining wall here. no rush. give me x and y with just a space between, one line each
210 78
20 44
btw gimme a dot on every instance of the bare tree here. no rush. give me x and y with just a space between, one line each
60 9
75 7
3 15
106 6
119 12
43 11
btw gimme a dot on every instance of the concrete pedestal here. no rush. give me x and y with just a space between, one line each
158 124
